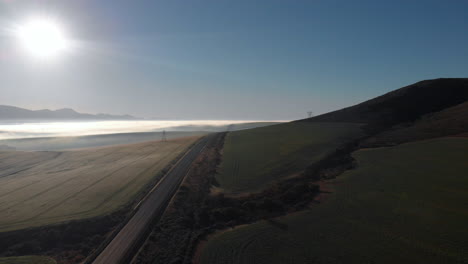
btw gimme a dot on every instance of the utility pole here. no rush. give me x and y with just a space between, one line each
310 113
163 137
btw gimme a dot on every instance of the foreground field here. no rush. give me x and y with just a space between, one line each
404 204
38 188
27 260
255 157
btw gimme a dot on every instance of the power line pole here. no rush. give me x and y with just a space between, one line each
310 113
163 137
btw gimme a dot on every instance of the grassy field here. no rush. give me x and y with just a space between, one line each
38 188
403 204
255 157
27 260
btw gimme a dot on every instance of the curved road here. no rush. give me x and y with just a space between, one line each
124 244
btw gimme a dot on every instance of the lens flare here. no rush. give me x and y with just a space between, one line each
42 37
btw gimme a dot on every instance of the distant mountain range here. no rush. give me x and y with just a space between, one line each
16 113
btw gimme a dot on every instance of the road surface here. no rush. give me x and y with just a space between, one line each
121 248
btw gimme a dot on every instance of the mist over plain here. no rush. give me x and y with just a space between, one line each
44 136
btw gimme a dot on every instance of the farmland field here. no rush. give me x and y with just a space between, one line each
402 204
27 260
255 157
38 188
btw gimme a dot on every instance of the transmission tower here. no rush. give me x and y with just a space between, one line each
163 137
310 113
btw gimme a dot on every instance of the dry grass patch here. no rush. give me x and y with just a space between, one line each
38 188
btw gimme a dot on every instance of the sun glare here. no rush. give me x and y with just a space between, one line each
42 37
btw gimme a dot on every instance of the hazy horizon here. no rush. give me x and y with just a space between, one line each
73 128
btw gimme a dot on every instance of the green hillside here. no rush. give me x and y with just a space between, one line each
255 157
403 204
403 105
450 121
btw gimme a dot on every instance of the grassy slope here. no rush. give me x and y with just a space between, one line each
406 104
38 188
255 157
27 260
450 121
404 204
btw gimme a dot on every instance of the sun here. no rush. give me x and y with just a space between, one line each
42 37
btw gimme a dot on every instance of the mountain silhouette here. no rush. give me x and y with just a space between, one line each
16 113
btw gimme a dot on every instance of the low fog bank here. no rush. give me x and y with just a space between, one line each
12 130
60 136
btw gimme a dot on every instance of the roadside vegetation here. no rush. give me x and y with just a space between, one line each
254 158
396 200
27 260
178 230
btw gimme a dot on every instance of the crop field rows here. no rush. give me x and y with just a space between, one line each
53 187
234 171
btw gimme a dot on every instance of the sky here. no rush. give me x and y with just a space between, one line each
226 59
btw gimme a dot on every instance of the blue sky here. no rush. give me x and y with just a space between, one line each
218 59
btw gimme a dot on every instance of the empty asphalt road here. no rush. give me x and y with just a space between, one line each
120 249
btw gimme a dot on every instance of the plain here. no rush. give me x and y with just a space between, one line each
40 188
